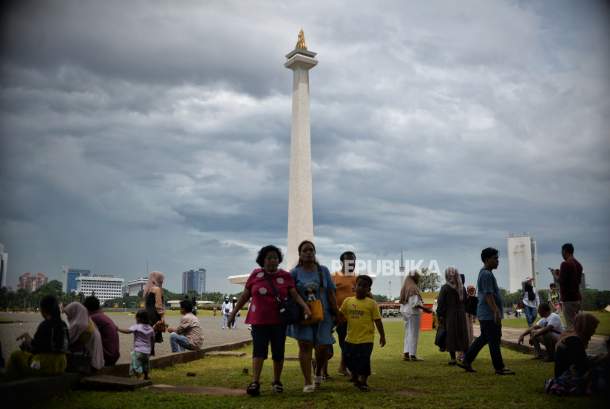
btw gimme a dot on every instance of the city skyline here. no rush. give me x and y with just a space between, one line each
166 139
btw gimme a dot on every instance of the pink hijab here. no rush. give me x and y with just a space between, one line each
155 279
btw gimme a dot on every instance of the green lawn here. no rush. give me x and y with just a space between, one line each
602 329
395 384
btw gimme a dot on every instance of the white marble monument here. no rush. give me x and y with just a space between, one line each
300 207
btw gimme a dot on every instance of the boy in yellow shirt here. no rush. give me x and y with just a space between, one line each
361 312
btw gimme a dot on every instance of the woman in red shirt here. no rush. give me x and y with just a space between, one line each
264 314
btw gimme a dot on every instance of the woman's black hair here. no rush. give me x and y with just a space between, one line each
262 253
49 305
142 317
304 242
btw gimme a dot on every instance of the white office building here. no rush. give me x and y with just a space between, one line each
521 261
103 287
133 287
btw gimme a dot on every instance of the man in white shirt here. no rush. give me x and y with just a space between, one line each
226 309
546 331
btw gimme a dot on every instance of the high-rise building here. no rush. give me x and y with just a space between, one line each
193 280
71 274
103 287
3 265
32 282
133 287
521 261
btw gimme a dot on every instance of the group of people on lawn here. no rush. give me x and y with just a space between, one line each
90 340
328 303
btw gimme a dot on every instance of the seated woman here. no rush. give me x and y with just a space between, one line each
84 336
45 354
571 362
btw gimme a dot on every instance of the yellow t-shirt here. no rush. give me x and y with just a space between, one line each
360 315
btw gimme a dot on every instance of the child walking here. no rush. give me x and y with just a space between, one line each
361 312
143 339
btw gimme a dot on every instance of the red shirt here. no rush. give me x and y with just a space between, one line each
570 275
264 308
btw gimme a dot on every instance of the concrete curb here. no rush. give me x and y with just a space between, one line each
18 394
176 358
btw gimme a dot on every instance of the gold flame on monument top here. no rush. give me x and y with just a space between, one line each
301 41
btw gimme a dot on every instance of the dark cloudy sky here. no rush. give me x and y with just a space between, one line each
159 131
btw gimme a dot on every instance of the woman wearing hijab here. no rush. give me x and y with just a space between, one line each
451 313
45 353
471 311
411 306
84 336
154 304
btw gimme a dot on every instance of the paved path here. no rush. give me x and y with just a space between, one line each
212 332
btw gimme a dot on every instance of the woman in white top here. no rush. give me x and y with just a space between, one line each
531 301
411 306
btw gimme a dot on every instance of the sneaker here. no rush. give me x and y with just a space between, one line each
452 362
309 389
277 387
505 371
317 381
414 358
405 357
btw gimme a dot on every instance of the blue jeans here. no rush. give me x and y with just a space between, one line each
179 343
530 315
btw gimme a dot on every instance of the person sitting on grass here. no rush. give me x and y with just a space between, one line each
107 328
85 340
45 354
361 312
571 362
187 335
143 341
546 331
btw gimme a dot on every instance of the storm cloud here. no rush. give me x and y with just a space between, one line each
135 133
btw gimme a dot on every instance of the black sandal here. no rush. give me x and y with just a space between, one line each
254 389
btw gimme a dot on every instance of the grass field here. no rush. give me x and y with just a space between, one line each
394 384
602 329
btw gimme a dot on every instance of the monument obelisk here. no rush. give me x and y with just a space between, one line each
300 206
